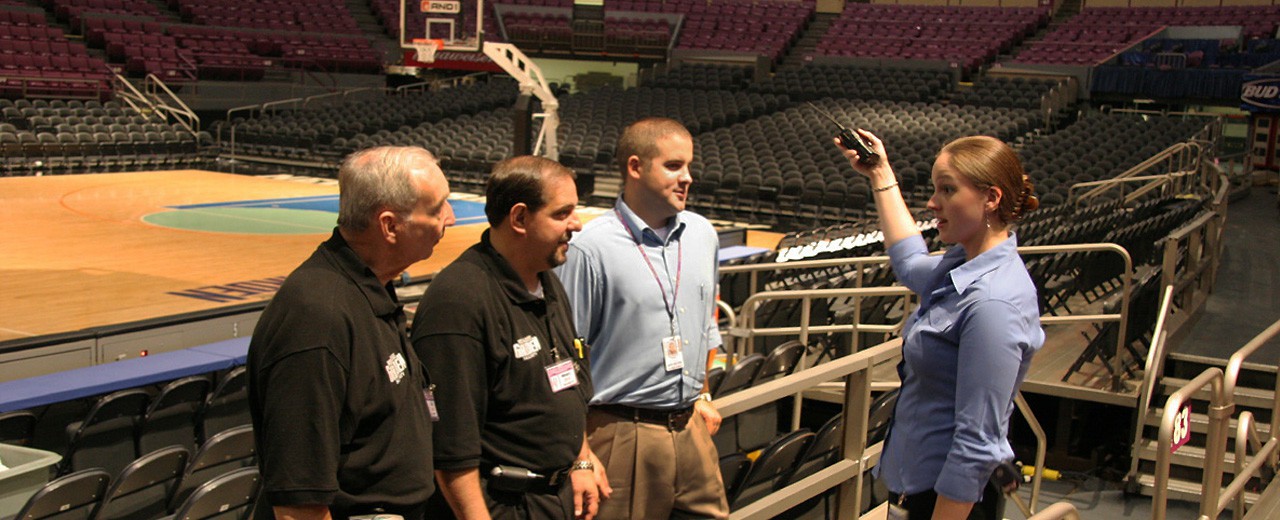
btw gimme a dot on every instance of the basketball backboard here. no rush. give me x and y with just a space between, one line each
458 24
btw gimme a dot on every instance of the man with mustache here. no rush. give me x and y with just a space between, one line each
642 279
513 385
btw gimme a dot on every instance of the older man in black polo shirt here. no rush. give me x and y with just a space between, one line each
512 385
336 394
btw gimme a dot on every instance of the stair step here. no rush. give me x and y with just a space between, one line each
1183 490
1251 397
1188 455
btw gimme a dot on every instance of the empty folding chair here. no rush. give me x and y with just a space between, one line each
225 452
230 496
733 468
71 497
171 417
227 406
771 468
737 377
821 452
17 428
758 426
143 488
104 439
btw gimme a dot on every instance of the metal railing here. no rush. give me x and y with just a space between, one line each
1180 162
1152 372
1220 408
1247 435
745 332
1193 251
168 104
1058 511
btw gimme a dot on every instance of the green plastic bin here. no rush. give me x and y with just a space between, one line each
28 470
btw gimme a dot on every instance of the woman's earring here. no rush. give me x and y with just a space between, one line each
986 219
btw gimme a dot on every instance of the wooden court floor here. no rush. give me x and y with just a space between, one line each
86 251
77 253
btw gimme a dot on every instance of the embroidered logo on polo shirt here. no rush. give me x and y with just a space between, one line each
396 367
527 347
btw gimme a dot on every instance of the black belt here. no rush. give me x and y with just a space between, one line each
674 420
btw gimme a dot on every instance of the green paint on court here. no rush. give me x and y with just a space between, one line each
254 221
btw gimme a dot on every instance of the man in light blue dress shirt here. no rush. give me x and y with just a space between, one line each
642 281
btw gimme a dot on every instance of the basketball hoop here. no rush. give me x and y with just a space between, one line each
425 49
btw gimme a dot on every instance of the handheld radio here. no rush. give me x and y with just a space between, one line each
851 140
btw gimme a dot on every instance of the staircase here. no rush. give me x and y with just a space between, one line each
807 45
1069 9
1255 393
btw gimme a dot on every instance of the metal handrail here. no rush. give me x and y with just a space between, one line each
1220 409
1042 444
182 113
1152 372
1246 430
1247 436
1176 154
1058 511
1236 361
1122 318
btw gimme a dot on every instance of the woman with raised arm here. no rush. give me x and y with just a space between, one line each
966 349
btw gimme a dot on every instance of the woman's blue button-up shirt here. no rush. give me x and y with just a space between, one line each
965 352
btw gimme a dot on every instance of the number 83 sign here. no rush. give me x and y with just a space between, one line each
1181 428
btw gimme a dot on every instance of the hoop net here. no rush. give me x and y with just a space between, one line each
425 49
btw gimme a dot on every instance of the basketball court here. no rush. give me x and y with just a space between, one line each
86 251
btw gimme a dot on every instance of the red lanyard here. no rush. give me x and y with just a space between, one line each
675 291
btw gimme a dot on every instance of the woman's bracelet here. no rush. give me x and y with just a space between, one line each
886 187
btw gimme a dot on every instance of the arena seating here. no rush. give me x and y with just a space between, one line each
1111 144
701 76
227 41
1197 69
766 28
39 60
967 36
591 122
60 136
328 132
1008 92
816 81
783 168
1098 33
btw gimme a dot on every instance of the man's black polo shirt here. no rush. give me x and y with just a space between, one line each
497 407
336 392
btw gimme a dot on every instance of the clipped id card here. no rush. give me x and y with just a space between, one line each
561 375
672 353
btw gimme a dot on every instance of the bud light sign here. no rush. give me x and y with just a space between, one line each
1260 93
441 6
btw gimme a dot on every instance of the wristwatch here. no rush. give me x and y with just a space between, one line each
582 464
704 397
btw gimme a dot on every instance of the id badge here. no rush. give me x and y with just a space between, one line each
561 375
896 512
672 353
430 396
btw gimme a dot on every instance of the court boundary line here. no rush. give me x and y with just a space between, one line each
18 332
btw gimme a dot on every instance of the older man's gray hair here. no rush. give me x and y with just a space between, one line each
376 178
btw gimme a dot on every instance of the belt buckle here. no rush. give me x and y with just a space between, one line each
674 422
